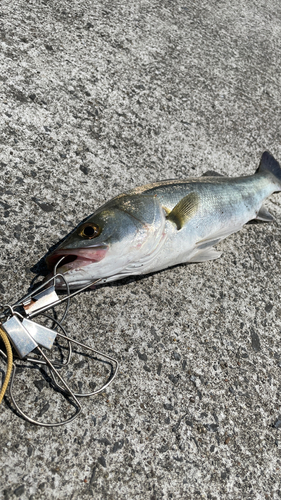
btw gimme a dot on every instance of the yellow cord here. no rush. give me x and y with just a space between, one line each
6 341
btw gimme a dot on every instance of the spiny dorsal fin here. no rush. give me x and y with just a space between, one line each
184 210
212 173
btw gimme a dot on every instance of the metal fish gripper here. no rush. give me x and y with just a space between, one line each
30 338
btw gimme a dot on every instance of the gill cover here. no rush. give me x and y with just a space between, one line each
137 219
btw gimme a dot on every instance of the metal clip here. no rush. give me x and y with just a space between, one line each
44 336
41 300
23 343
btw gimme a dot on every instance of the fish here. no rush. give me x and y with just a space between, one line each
162 224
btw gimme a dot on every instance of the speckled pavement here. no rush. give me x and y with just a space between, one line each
96 98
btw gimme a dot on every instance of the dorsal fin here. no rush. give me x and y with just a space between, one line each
184 210
212 173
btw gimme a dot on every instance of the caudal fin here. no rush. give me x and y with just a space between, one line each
269 164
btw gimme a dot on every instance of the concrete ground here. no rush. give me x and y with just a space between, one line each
96 98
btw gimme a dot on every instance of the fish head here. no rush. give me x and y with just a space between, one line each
118 240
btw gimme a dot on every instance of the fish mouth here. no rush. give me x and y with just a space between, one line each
75 258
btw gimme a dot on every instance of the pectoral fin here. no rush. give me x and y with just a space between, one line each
184 210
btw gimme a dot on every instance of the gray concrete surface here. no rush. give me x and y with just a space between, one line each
96 98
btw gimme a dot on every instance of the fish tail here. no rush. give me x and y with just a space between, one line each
269 164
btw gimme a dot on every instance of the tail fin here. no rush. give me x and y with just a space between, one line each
269 164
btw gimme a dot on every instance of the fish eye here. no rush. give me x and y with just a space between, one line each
89 231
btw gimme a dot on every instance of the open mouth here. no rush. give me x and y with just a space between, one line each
76 258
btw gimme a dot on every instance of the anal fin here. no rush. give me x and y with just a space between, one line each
205 247
206 254
264 215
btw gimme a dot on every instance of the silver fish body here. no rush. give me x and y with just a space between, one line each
159 225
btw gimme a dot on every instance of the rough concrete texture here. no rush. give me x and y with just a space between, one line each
96 98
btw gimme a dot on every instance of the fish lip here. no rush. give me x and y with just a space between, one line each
83 256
